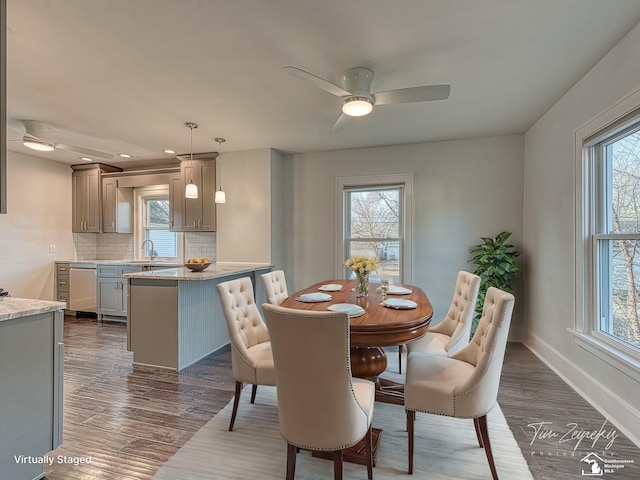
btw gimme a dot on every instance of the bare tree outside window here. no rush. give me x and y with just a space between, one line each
624 159
156 227
374 228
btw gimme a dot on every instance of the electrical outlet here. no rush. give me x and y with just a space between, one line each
52 248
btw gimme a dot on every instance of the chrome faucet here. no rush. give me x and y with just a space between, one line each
153 251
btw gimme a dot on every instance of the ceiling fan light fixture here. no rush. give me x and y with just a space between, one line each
39 145
357 106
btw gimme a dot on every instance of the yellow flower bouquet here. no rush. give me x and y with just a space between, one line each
362 266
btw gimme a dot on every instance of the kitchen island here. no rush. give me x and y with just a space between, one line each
174 315
31 369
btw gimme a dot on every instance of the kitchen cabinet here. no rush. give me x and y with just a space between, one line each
112 290
176 202
87 196
194 214
62 282
117 207
31 368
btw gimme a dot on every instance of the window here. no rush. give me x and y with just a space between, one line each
153 224
373 222
608 235
617 237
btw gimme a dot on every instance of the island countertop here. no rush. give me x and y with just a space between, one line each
215 270
11 308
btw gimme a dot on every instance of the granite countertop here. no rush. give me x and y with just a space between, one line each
142 263
11 308
214 271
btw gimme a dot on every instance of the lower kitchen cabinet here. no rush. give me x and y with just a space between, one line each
31 400
112 290
62 282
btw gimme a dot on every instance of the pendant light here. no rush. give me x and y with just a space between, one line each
191 191
220 197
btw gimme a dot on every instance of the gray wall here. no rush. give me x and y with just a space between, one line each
549 238
463 189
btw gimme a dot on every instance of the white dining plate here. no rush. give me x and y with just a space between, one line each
351 309
396 290
399 303
331 287
314 297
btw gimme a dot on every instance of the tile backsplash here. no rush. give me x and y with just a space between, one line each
119 246
200 245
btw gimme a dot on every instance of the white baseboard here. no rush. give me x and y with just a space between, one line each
622 415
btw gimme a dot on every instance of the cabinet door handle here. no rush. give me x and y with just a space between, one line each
113 225
195 224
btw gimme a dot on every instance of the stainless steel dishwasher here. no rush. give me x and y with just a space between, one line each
82 287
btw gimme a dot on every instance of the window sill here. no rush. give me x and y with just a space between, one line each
612 356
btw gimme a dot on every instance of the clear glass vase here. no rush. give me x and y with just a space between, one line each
362 284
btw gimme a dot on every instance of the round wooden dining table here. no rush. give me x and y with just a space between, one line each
380 326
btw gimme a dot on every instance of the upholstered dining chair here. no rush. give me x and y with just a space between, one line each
464 385
251 358
452 334
320 405
275 286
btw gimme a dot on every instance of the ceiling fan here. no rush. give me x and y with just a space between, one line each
355 92
39 136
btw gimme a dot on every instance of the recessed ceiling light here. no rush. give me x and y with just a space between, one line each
168 150
86 159
124 155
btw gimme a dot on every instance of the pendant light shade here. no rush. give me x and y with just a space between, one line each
191 190
220 196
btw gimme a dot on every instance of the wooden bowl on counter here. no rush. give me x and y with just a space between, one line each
197 267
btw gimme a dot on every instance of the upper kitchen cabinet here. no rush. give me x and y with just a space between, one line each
87 196
117 207
194 214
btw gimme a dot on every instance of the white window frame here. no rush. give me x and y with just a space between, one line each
141 194
375 181
588 195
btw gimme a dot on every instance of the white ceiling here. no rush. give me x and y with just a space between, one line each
124 75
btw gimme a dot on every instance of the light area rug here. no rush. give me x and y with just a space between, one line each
445 448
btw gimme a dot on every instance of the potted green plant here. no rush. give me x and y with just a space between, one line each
495 262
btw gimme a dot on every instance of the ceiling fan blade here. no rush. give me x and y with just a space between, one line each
413 94
317 81
85 151
342 121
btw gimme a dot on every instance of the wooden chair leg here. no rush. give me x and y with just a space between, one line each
411 416
484 433
478 436
369 448
337 465
236 401
292 450
254 389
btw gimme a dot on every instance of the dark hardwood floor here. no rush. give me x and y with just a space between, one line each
130 420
